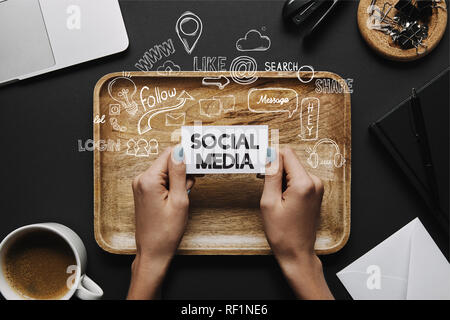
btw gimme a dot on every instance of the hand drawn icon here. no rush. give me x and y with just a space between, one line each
243 70
167 68
155 97
301 76
314 161
144 122
210 107
114 109
115 125
155 54
175 119
122 90
98 119
189 29
175 136
131 147
228 102
221 81
142 148
153 146
253 41
309 119
273 100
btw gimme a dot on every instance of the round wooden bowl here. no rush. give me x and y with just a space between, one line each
383 44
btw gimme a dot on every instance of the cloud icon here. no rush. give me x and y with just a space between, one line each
253 41
167 67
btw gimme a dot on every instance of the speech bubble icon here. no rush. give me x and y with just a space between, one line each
210 107
269 100
309 118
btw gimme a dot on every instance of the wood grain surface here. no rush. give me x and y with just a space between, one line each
224 209
383 44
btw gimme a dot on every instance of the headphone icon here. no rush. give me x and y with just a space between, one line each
313 159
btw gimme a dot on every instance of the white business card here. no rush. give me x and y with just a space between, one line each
225 149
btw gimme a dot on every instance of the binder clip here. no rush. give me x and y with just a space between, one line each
409 27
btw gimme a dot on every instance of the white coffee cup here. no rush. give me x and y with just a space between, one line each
81 285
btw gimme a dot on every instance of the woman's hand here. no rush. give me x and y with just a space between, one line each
290 206
161 211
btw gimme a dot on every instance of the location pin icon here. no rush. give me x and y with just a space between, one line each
189 29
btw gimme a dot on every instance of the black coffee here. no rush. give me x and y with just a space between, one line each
35 265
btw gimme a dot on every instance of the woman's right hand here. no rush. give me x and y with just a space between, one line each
290 207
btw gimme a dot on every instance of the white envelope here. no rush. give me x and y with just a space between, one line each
409 265
175 119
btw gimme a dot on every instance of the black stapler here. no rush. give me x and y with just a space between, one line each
311 12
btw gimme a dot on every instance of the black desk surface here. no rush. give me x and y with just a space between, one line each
45 178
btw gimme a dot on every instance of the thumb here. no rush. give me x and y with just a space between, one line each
274 177
177 171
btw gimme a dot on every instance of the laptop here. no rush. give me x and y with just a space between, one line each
39 36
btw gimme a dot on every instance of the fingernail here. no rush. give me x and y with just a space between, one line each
271 154
188 191
178 153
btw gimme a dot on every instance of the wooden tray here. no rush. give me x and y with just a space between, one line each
224 213
383 43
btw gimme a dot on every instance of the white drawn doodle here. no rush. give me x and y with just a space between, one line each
115 125
243 70
114 109
209 63
334 86
281 66
122 90
131 147
314 160
153 146
300 71
155 97
98 119
100 145
273 100
175 136
175 119
167 68
253 41
155 54
217 105
189 35
221 81
144 122
142 148
309 119
210 107
228 102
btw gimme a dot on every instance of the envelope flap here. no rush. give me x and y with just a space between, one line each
175 116
392 258
429 271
